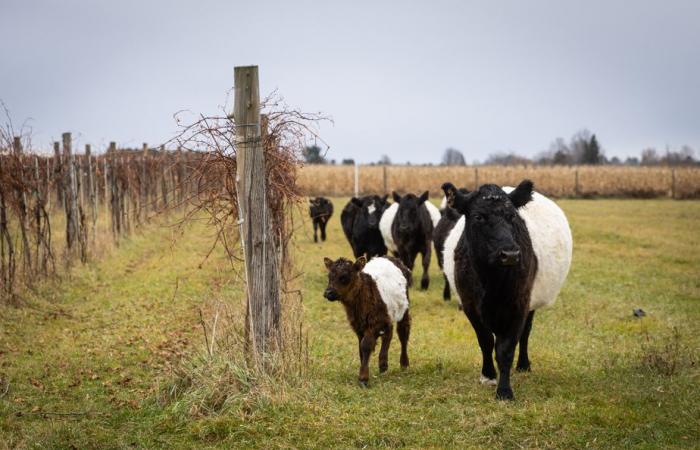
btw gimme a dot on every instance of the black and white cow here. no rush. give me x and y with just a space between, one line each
507 256
360 221
407 228
320 210
448 219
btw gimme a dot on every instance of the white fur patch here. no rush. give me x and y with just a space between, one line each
443 203
487 381
385 226
391 285
553 245
448 255
434 213
371 208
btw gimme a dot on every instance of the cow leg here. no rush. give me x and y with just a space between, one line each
505 351
403 328
446 291
486 343
384 350
425 279
367 345
323 230
315 231
523 364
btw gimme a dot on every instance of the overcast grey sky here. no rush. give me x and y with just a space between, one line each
403 78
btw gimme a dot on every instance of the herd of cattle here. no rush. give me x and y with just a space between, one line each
504 252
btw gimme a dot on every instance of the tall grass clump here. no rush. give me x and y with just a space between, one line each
223 375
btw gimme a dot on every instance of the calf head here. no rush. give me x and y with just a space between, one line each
407 217
342 275
371 209
492 220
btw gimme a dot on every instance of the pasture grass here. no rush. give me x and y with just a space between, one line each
102 345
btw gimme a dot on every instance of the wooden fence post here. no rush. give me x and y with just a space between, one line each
70 194
58 174
262 263
23 208
673 183
476 178
386 191
577 190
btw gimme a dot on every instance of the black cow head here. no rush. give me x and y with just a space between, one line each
407 216
342 274
371 208
492 220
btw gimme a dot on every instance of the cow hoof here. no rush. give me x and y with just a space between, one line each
424 284
487 381
383 367
523 367
504 394
363 383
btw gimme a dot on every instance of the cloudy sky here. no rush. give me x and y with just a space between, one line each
406 79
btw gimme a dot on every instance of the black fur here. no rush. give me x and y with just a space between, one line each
362 228
320 210
495 269
412 231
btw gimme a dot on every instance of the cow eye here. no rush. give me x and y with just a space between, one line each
344 279
479 217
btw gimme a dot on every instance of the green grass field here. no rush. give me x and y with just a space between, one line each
87 357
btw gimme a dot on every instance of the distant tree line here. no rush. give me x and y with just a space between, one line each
582 148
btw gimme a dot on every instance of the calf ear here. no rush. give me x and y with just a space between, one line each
522 194
424 196
356 201
360 263
328 262
397 197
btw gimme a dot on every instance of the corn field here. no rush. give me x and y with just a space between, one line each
555 181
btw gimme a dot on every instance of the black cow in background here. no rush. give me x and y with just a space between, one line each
448 219
360 221
320 210
407 229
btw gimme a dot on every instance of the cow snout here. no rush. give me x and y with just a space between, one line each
331 294
509 257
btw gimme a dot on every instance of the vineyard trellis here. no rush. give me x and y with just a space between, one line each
39 191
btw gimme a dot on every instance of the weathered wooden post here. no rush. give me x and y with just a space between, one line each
476 178
357 180
673 183
91 192
70 194
143 200
262 263
23 207
386 191
58 174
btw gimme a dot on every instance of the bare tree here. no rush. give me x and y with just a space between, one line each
453 157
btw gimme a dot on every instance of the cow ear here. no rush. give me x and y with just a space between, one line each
396 196
356 201
522 194
460 201
449 189
385 198
328 262
424 196
360 263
